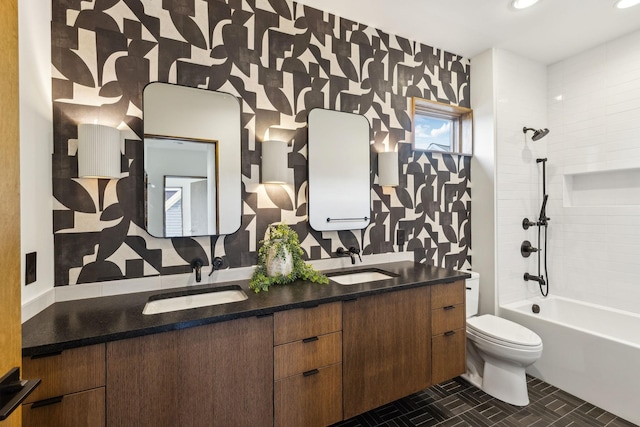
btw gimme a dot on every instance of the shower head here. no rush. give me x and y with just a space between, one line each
537 133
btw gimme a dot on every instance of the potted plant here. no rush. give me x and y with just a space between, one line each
280 261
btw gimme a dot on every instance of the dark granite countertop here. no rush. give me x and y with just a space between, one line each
77 323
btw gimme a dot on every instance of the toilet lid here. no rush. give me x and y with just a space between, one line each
503 330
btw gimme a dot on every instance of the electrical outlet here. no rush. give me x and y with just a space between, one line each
400 236
30 263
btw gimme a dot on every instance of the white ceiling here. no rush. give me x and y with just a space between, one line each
549 31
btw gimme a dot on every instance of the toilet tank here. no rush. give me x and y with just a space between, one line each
473 293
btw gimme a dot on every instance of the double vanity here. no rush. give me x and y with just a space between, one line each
301 354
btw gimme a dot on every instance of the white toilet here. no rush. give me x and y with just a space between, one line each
498 351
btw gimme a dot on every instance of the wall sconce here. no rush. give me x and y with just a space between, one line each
388 169
274 162
98 151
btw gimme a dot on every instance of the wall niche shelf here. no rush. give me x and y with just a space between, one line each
613 187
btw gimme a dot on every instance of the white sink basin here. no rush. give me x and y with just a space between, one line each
360 277
177 303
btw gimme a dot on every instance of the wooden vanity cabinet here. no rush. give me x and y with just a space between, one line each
387 348
448 329
214 375
308 366
72 391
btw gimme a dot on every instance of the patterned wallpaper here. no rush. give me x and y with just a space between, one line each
282 59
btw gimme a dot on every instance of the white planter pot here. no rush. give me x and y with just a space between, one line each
278 264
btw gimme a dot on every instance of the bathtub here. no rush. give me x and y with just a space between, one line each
590 351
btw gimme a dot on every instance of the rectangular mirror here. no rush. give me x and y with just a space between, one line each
339 170
191 161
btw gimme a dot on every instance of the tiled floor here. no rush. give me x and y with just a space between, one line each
456 403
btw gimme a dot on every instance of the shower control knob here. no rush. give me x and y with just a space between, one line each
526 249
526 223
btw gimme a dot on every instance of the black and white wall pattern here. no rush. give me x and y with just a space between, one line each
282 59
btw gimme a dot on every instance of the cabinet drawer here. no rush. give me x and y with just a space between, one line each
447 294
447 318
300 356
449 355
73 370
77 409
312 401
301 323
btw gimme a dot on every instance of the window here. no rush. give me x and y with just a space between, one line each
442 127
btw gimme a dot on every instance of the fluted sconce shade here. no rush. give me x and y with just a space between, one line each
388 169
274 162
98 151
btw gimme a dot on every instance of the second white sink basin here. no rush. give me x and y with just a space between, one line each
361 277
168 303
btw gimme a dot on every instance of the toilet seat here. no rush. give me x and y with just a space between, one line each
502 331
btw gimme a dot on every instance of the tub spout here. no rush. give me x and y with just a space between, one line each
538 279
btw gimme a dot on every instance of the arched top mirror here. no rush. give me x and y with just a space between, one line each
191 161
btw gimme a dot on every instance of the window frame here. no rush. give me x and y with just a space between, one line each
461 118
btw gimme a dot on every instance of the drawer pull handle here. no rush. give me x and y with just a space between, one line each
310 339
450 307
46 402
468 288
309 373
449 333
42 356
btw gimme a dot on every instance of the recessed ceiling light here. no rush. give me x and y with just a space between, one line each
523 4
623 4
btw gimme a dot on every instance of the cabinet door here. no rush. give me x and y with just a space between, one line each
386 348
70 371
142 381
310 399
213 375
449 356
226 372
73 410
305 355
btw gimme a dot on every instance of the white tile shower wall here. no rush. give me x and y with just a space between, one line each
593 102
520 89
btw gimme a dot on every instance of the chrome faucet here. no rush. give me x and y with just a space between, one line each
196 264
352 252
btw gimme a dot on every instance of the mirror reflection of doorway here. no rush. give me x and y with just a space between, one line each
185 206
181 187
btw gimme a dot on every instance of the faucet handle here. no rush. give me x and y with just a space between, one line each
355 251
216 264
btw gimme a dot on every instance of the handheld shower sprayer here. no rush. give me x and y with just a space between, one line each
543 221
537 133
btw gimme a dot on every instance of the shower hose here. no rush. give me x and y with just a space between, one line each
543 284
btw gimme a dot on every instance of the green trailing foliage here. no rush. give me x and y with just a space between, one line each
283 239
